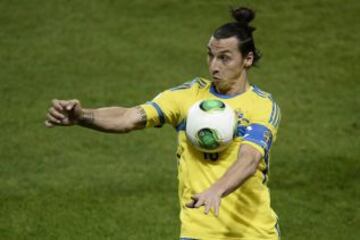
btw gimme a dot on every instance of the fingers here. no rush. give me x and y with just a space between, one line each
217 208
212 204
71 104
53 120
193 201
48 124
56 113
60 112
208 203
208 206
56 104
54 116
200 202
64 105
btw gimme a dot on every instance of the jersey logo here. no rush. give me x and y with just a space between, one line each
242 123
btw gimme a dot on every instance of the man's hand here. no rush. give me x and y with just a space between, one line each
63 113
243 168
210 199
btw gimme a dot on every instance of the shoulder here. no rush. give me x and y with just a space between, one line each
264 106
260 94
184 90
195 84
261 97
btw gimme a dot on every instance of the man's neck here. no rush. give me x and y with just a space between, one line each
237 87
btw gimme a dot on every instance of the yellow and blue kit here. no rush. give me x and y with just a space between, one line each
245 214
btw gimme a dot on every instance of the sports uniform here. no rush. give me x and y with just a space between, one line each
245 213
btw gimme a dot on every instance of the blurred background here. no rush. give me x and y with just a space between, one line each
73 183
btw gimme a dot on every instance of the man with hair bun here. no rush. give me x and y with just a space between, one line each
225 196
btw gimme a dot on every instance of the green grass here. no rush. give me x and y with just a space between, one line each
78 184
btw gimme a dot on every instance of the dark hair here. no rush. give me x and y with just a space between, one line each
241 30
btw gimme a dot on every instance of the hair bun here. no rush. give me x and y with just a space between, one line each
243 15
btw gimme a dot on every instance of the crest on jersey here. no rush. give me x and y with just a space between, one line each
242 123
242 120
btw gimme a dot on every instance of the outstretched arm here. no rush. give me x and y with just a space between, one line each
243 168
107 119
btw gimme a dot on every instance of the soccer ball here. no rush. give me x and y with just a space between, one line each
210 125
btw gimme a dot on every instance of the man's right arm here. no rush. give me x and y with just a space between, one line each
107 119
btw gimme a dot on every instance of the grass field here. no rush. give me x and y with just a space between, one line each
72 183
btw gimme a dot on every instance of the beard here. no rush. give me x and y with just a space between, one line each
222 85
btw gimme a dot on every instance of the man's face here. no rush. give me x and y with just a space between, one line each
226 64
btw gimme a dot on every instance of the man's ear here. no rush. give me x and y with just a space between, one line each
248 60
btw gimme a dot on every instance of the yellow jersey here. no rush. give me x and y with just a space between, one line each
245 213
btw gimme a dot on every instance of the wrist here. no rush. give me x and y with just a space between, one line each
86 117
219 189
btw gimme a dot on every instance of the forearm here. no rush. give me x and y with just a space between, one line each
243 168
108 119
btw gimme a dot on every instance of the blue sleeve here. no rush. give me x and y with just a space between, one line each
260 135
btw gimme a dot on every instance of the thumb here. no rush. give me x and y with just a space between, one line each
190 204
193 201
71 104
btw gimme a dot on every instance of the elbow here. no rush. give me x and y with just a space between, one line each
252 169
253 165
117 126
121 127
251 158
124 123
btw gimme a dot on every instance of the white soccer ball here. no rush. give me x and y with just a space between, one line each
211 125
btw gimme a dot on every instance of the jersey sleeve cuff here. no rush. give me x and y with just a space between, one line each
154 115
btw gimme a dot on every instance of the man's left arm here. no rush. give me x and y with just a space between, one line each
243 168
256 144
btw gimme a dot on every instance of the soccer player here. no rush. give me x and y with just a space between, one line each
222 195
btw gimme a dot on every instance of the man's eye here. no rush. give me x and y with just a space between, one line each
224 58
210 54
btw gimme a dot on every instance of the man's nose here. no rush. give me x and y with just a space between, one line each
214 66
